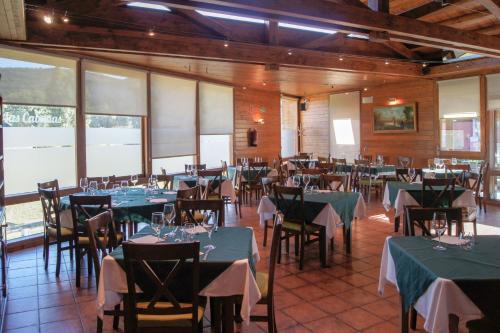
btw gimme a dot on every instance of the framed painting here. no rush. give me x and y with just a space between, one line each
395 118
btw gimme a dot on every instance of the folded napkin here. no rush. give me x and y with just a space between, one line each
148 239
452 240
170 192
158 200
322 191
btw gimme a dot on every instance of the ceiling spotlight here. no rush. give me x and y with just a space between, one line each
386 62
424 65
244 88
151 32
226 43
49 19
290 52
264 83
341 59
65 18
365 89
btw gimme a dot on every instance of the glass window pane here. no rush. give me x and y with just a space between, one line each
39 145
114 145
214 149
24 219
460 134
172 164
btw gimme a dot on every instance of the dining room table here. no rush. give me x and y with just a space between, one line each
440 173
460 283
225 185
372 169
251 173
330 209
293 163
226 272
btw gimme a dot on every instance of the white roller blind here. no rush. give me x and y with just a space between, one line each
493 88
459 97
173 116
289 123
216 109
114 90
345 125
34 78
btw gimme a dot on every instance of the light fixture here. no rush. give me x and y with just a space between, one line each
231 17
306 28
260 121
341 59
290 52
264 83
244 88
365 89
424 65
358 36
386 62
65 18
393 101
147 5
151 32
48 18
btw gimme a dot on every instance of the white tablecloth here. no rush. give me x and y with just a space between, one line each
237 279
404 198
226 188
442 297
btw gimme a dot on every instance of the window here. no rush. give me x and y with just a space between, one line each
113 145
459 113
115 102
172 164
289 127
345 125
216 124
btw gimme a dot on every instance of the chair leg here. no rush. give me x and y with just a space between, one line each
287 242
78 257
239 206
116 317
404 318
46 247
474 226
302 248
89 263
279 251
71 248
296 244
271 321
264 243
58 262
413 319
99 325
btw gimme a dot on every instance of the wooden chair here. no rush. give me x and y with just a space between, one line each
254 185
189 193
100 234
267 189
84 207
54 232
327 167
459 178
333 183
295 224
368 158
472 182
238 189
405 162
100 184
340 166
157 309
322 159
189 211
265 281
210 183
440 197
403 175
167 181
196 167
366 181
309 171
484 178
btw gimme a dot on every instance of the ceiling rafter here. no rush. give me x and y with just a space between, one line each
493 6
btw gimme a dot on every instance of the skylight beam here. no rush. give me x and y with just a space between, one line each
231 17
148 5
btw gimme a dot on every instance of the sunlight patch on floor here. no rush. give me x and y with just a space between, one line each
379 218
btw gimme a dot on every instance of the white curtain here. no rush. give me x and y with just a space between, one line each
344 125
113 90
173 116
216 109
459 97
289 127
493 89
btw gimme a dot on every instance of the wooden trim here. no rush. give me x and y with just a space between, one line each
24 243
299 125
81 152
147 140
198 139
233 141
483 100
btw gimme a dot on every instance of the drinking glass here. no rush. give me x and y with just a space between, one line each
105 181
188 169
84 183
412 174
134 179
436 162
209 223
153 180
124 186
454 161
157 220
307 180
468 240
296 181
93 187
169 214
439 224
189 231
116 188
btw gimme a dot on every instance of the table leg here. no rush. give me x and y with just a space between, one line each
323 245
347 239
404 317
396 223
228 314
453 323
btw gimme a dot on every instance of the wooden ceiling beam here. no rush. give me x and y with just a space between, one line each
96 38
493 6
491 30
426 9
207 23
272 32
323 41
481 65
321 12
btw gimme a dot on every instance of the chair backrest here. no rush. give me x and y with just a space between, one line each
142 259
50 185
417 217
49 199
185 210
196 167
237 177
438 197
472 182
405 161
339 161
430 163
459 176
308 171
403 175
273 256
189 193
327 167
99 230
100 184
267 185
167 180
303 156
368 158
291 206
322 159
363 162
210 182
261 168
84 207
333 182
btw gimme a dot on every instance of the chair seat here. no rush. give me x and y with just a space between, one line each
262 280
65 232
295 227
483 326
166 320
120 237
84 241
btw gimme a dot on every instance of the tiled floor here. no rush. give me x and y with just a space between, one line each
341 298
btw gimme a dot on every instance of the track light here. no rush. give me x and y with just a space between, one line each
48 18
65 18
226 43
151 32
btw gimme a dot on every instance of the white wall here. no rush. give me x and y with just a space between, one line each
344 125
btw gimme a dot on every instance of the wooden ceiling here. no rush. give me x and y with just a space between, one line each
407 39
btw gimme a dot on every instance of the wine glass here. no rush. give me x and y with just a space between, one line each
436 162
307 180
404 163
412 174
116 188
169 214
84 183
157 221
92 187
209 223
189 231
439 224
454 161
124 186
134 179
105 181
296 181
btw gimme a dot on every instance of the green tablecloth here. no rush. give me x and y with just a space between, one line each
415 190
372 169
232 243
191 181
248 174
344 204
130 206
476 272
305 162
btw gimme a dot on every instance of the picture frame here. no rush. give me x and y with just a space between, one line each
401 118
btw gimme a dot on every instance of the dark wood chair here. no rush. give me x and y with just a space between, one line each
267 189
158 310
310 171
368 158
405 162
295 225
167 181
484 325
99 230
459 177
439 197
265 281
196 167
54 232
485 167
210 182
253 185
238 189
472 182
189 193
83 207
189 211
224 169
366 181
333 183
403 175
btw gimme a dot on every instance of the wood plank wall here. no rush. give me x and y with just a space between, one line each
421 145
251 105
315 124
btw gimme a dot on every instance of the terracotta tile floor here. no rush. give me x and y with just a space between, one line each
341 298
